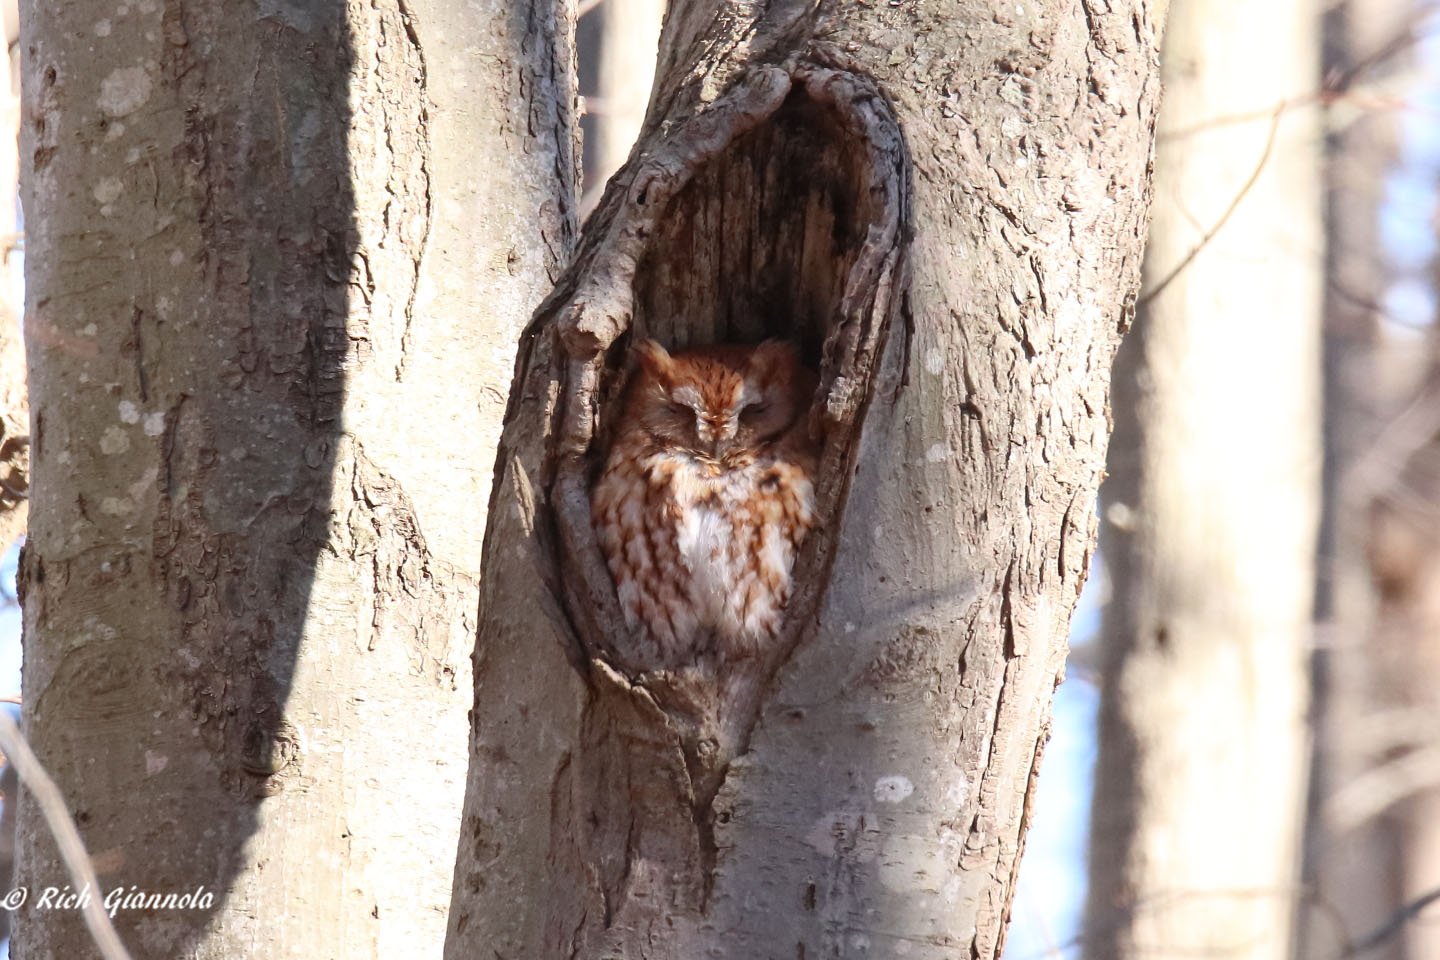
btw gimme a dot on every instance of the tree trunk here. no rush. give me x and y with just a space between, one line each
268 345
1354 875
943 205
1396 784
1211 511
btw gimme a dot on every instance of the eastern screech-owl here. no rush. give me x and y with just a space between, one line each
706 495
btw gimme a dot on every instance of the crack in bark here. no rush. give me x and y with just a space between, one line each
424 149
135 344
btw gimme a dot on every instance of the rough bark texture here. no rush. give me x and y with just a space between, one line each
279 254
1212 505
944 204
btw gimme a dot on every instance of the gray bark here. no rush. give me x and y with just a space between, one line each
278 257
1212 507
944 205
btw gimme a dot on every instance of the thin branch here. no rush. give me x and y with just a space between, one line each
1224 217
1378 789
1349 948
67 838
1238 119
1408 35
1385 730
1169 899
1368 305
1392 925
1337 86
1373 473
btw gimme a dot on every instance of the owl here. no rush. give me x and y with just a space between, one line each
706 495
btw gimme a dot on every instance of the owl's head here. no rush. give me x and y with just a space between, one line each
719 401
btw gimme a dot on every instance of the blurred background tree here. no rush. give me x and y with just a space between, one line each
1208 508
1373 837
1211 505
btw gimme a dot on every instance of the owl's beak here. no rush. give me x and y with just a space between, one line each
716 433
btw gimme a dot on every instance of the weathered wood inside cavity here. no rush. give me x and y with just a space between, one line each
713 274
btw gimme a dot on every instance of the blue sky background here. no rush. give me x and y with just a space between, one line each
1409 219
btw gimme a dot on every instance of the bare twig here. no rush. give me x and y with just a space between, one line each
1408 35
1338 84
1349 948
1386 730
1159 288
1392 925
67 838
1166 900
1376 471
1377 789
1239 119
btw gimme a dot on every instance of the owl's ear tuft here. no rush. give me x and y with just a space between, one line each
774 357
654 359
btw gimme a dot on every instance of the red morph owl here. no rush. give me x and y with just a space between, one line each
706 495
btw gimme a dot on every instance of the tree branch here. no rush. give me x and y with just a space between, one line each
1392 925
67 838
1224 217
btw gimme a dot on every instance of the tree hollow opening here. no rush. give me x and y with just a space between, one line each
775 212
761 241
